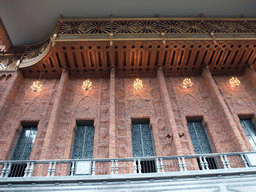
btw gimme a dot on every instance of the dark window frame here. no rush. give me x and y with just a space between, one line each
83 123
246 129
18 170
212 163
147 166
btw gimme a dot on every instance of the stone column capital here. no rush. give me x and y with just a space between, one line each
160 67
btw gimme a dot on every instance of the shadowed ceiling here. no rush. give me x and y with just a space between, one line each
29 21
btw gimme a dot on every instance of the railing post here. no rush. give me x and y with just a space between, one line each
8 170
31 169
205 163
227 161
72 170
184 164
244 160
112 167
54 169
134 166
157 166
139 166
27 169
162 164
93 167
180 164
223 162
201 163
49 169
4 170
116 168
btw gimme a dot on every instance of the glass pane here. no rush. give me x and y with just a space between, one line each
142 141
147 140
83 142
250 131
243 123
89 140
199 137
136 141
25 144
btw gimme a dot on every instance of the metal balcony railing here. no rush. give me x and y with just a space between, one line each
73 167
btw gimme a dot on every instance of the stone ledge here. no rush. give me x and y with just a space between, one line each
132 177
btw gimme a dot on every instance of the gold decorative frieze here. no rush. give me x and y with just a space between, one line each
131 28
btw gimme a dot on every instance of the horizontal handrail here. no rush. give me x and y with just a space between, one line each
134 165
125 159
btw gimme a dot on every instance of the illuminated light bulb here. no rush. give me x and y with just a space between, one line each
234 82
187 83
36 86
87 84
137 84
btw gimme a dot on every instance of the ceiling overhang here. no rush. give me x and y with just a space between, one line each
177 44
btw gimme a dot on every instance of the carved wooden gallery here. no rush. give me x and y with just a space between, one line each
131 102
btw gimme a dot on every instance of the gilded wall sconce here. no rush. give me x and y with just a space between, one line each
36 86
234 82
138 84
187 83
87 84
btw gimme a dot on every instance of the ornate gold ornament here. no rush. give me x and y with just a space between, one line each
153 26
137 84
36 86
187 83
87 84
234 82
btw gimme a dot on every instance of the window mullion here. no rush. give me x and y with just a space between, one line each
85 127
27 138
142 147
198 139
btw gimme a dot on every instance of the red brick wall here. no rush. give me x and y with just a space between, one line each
27 105
240 100
78 104
199 102
136 104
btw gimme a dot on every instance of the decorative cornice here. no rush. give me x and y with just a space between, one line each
126 29
33 55
155 28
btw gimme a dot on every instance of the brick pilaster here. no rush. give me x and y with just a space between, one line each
112 122
51 128
251 75
9 93
169 112
5 103
216 95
